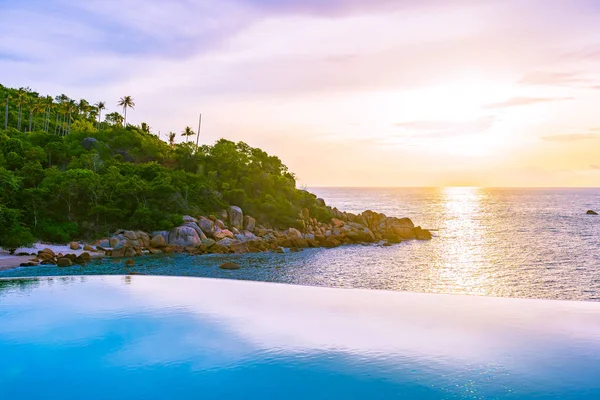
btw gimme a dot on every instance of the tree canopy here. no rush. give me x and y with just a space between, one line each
66 175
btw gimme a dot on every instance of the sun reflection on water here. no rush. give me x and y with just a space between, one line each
462 264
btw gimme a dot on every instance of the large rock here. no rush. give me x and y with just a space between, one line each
89 143
249 223
206 225
195 226
220 234
64 262
184 236
236 217
422 234
591 212
158 242
230 266
74 246
187 218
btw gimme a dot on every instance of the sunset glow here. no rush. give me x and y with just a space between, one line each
379 93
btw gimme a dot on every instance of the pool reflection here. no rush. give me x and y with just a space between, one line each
246 339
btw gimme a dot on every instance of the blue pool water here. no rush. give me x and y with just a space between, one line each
144 337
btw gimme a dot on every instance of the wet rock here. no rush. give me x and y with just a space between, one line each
74 246
393 238
130 263
591 212
64 262
230 266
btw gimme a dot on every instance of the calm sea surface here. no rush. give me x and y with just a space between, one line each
529 243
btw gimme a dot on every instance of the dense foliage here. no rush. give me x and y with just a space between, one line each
65 175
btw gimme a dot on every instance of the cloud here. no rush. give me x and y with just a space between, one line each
594 166
524 101
572 137
554 78
439 129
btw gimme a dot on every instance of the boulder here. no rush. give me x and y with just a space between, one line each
87 257
103 242
236 217
392 238
64 262
158 242
87 247
184 236
292 233
230 266
249 223
187 218
143 238
131 252
422 234
222 234
131 235
195 226
130 263
331 242
206 225
223 215
89 143
591 212
208 242
74 246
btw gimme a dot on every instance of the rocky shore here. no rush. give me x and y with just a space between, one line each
233 232
230 231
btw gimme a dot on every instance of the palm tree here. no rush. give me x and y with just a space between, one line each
49 103
100 106
38 108
126 102
188 132
21 100
84 107
61 109
172 136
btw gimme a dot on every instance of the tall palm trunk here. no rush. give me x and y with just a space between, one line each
56 123
125 115
30 119
99 117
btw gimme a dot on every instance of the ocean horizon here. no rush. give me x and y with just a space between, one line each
501 242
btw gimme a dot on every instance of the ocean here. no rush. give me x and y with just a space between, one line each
525 243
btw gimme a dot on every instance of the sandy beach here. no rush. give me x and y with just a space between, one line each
8 261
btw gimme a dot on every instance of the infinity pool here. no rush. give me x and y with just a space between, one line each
149 337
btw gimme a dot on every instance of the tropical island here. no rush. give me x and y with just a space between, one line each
67 174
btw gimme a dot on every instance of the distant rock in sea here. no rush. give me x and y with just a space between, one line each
591 212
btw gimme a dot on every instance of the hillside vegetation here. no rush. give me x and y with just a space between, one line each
69 172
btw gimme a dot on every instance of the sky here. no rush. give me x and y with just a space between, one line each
345 92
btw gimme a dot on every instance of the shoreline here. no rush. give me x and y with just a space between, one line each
231 232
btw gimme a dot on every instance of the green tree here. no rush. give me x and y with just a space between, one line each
126 102
187 132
